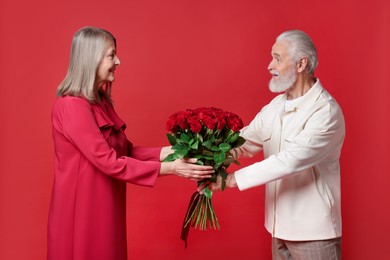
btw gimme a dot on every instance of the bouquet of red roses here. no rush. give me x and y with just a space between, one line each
208 134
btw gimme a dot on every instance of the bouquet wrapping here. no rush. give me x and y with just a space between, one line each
208 134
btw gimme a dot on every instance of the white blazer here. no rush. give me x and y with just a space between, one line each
301 168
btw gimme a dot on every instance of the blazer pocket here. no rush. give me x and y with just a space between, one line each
288 140
265 134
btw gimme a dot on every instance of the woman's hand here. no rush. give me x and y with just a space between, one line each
187 168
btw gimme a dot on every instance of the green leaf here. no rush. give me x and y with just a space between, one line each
233 137
209 158
171 139
181 150
170 158
240 141
177 147
198 162
208 153
218 141
229 159
198 156
224 147
223 173
215 148
213 177
219 158
223 184
195 145
208 193
208 144
185 138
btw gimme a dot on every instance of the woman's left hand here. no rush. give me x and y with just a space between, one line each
187 168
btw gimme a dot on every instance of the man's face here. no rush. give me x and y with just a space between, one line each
282 68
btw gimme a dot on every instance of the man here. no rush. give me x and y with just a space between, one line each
301 133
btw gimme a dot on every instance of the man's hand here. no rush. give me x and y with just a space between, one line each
217 186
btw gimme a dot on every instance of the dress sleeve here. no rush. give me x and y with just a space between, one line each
80 128
145 153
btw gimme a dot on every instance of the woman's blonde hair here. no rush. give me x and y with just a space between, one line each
88 47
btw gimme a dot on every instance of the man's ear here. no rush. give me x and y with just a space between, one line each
302 64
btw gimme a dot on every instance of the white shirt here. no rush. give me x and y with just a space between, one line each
301 170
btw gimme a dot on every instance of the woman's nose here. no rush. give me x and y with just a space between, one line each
117 61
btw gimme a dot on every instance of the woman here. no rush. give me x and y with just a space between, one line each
94 159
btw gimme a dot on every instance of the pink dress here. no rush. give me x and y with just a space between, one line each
93 162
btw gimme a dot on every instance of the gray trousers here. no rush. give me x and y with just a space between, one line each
306 250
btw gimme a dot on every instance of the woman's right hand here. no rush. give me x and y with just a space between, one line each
187 168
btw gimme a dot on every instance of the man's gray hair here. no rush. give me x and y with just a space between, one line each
301 46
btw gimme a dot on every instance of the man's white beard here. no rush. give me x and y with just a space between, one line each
283 83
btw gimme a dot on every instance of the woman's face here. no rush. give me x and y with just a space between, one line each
107 66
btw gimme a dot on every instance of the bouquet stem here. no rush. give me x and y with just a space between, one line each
200 215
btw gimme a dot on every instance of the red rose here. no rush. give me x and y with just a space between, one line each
221 120
171 125
194 124
234 122
181 119
210 122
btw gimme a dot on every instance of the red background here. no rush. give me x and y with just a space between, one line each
179 54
